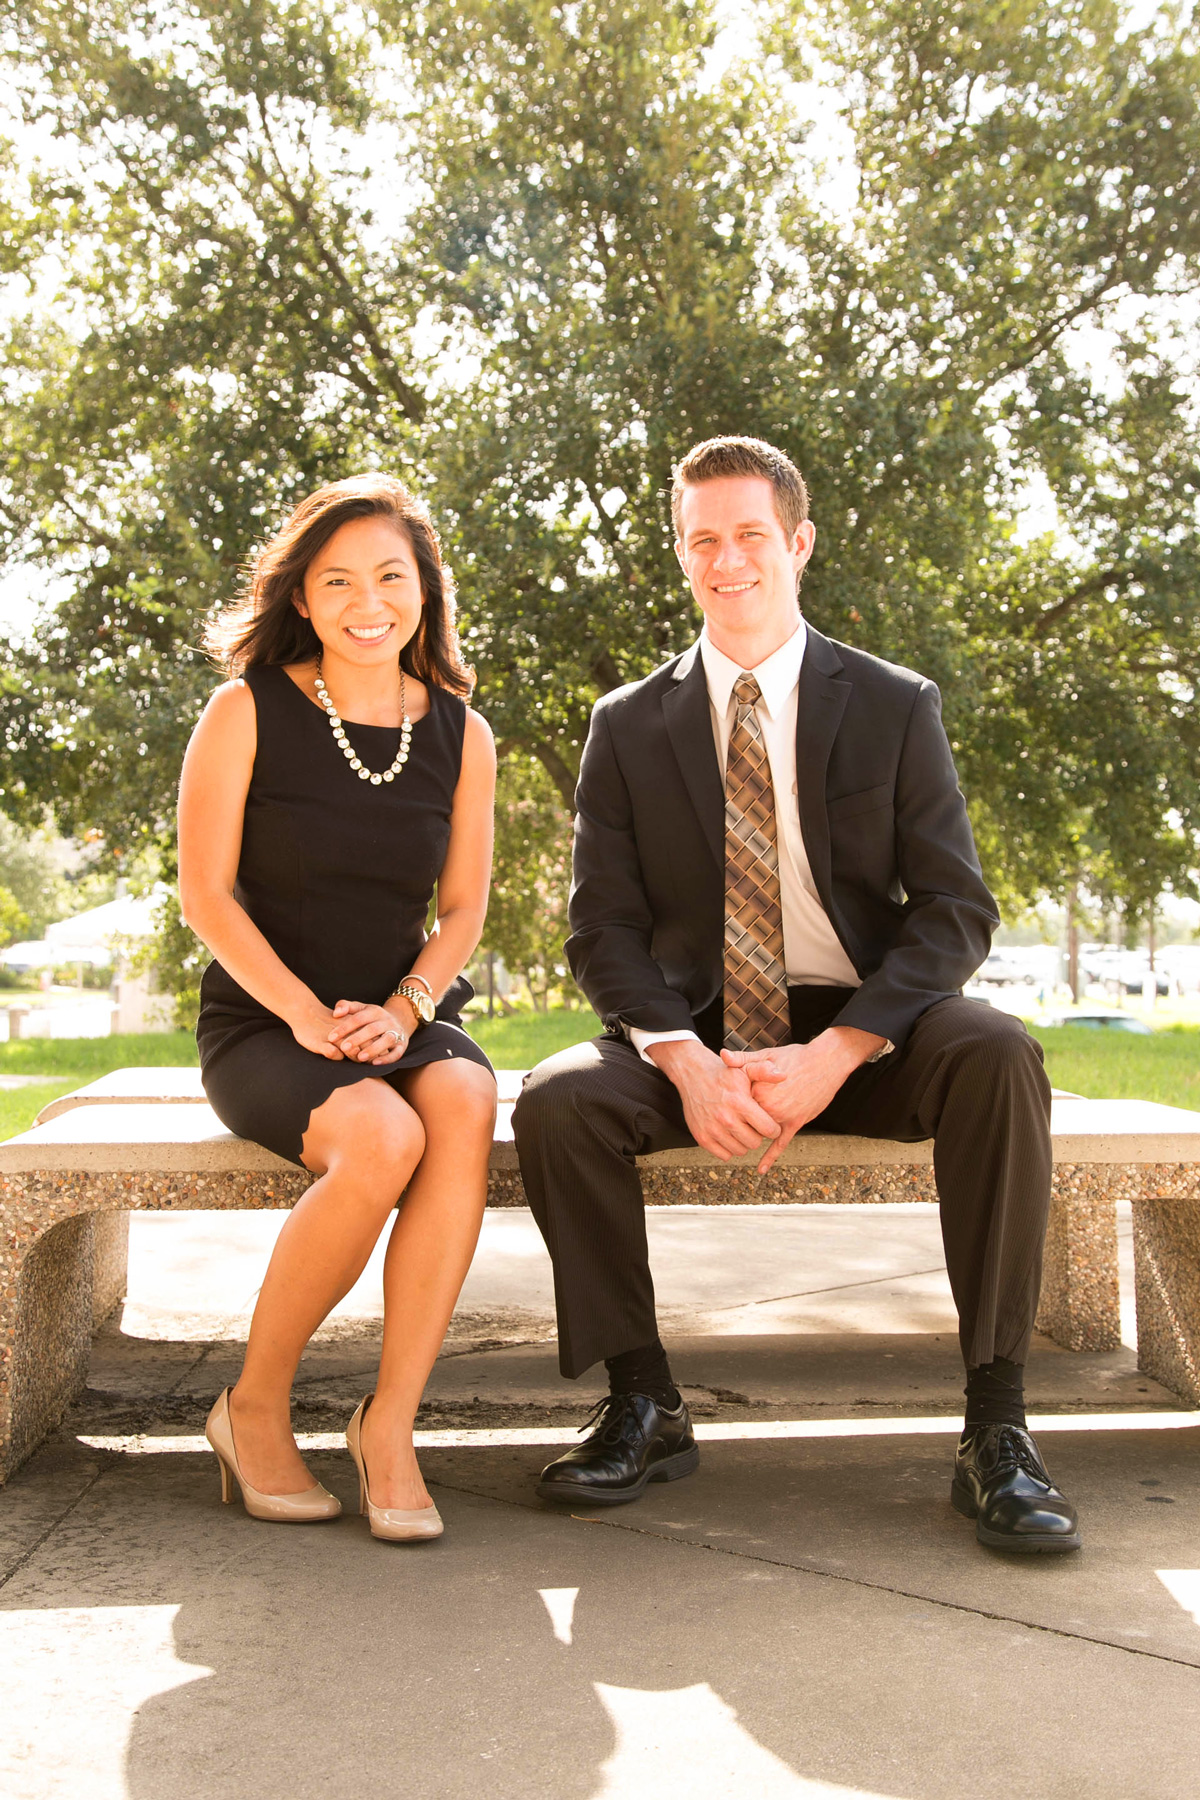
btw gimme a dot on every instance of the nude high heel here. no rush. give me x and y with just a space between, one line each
394 1523
306 1508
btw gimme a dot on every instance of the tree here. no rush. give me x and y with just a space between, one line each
662 267
527 908
31 874
13 922
229 348
526 253
1064 189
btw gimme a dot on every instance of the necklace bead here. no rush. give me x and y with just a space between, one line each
347 748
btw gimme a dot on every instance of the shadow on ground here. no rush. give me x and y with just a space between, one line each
805 1618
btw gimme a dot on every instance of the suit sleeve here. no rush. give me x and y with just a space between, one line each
949 915
612 926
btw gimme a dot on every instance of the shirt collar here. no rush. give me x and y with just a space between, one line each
776 676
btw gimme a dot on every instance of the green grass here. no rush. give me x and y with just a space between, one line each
89 1057
526 1038
1100 1065
1117 1065
68 1062
19 1107
513 1043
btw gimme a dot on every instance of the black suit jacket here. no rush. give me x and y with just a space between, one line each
885 827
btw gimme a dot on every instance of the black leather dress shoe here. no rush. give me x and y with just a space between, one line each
635 1441
1001 1482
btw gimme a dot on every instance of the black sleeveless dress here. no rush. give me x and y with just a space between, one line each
338 875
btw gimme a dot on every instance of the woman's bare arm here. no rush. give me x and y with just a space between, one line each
462 889
212 804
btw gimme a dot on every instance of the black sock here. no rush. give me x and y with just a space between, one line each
995 1394
644 1371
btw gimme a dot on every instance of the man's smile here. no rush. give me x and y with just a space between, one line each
735 587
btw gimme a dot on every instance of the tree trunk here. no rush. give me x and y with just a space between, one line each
558 772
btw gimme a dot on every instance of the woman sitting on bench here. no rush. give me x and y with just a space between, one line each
332 785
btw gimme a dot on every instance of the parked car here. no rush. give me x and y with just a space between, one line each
1034 967
1128 968
1136 984
1101 1021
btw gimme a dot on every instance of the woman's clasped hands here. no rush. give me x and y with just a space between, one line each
374 1034
356 1031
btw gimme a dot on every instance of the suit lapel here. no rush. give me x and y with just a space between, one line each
821 701
689 726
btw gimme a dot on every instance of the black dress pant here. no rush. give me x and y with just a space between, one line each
969 1077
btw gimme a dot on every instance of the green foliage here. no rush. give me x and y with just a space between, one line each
527 253
531 875
595 224
178 960
173 954
32 880
25 982
1030 169
50 879
13 922
228 348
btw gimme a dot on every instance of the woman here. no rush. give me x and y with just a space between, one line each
331 786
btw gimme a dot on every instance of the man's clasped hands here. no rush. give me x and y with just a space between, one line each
735 1100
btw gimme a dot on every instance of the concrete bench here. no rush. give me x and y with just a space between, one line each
153 1087
68 1186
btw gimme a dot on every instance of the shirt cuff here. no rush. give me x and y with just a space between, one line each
642 1040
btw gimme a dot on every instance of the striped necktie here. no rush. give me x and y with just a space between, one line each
756 1005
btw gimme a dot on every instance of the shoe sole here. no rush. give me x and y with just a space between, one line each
961 1501
672 1468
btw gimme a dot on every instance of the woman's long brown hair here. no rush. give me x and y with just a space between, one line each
263 626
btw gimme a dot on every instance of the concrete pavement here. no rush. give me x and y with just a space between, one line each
804 1617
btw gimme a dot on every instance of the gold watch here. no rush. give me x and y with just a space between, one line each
419 1000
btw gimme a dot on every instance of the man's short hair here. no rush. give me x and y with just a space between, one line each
722 456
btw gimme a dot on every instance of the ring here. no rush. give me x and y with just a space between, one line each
394 1034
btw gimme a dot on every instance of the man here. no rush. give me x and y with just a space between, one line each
776 902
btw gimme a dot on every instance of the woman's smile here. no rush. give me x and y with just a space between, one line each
368 634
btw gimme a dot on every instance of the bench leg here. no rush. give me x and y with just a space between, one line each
110 1263
1080 1305
1166 1247
45 1337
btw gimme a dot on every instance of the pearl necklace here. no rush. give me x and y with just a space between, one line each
347 748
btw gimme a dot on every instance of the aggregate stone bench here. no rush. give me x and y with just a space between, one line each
68 1186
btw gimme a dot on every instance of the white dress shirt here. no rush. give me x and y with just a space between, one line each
812 953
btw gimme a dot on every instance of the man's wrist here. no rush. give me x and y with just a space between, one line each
643 1041
856 1047
676 1056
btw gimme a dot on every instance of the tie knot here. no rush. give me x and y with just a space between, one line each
746 691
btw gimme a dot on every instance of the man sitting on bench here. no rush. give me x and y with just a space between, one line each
776 902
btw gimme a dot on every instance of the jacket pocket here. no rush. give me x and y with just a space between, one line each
867 800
